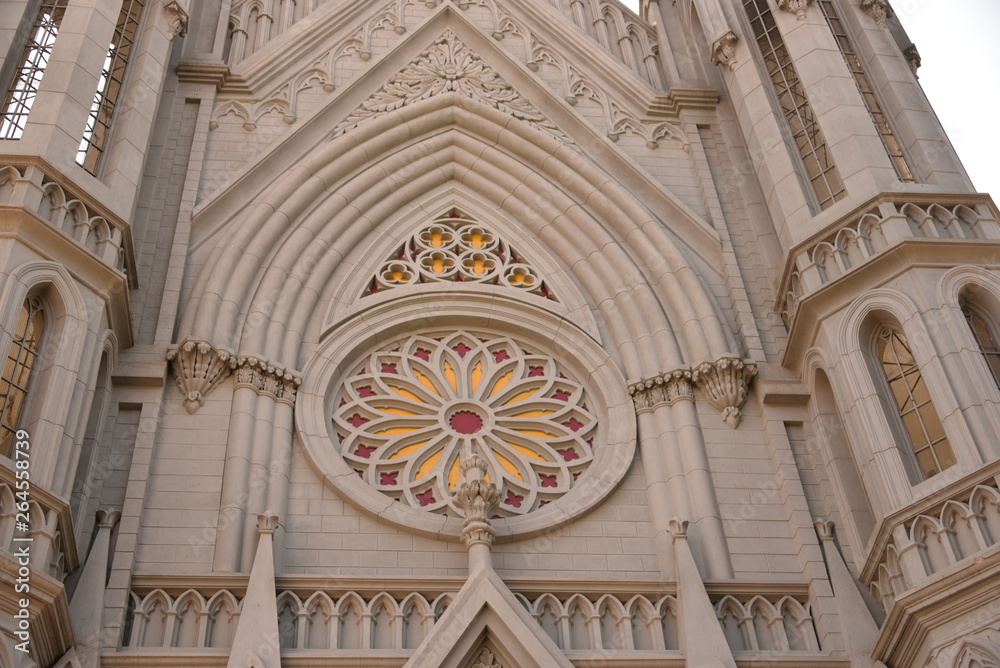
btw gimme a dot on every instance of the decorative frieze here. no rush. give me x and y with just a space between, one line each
726 384
797 7
198 368
267 378
724 50
177 19
479 499
664 389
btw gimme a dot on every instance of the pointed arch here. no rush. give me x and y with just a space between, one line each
154 628
289 608
322 622
733 617
548 614
187 610
581 614
670 619
385 619
800 634
611 617
223 611
417 620
351 616
646 633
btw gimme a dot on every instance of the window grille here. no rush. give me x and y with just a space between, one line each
913 402
109 88
34 59
885 133
987 343
21 358
795 105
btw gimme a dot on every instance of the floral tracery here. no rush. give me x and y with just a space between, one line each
407 416
456 248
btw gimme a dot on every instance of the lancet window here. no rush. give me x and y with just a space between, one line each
21 361
983 333
912 400
34 59
109 87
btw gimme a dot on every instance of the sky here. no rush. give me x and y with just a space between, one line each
960 73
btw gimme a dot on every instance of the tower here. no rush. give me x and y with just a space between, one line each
490 333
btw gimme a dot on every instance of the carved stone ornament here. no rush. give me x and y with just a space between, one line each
198 367
726 383
479 500
449 66
797 7
177 19
665 389
487 660
724 50
268 379
877 9
825 529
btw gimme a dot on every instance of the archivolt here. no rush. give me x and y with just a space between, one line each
301 231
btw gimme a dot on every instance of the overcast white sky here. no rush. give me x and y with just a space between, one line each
958 44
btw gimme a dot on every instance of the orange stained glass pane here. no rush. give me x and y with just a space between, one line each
396 431
428 465
533 414
477 375
455 474
534 433
527 452
501 383
406 394
426 382
508 466
521 397
407 450
449 373
395 411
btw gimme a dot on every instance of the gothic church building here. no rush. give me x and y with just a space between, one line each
490 334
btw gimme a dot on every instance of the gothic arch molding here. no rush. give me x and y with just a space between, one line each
449 138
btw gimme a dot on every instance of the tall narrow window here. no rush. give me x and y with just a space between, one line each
795 105
35 57
984 337
21 358
906 384
881 121
109 88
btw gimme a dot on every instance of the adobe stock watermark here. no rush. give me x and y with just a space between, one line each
21 546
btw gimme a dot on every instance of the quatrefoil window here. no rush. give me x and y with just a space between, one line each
407 415
456 248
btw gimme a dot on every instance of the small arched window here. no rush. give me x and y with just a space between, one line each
983 333
21 359
930 445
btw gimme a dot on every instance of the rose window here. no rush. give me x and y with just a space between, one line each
407 415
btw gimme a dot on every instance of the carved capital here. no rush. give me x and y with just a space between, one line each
724 50
267 378
797 7
479 500
199 367
877 9
726 384
177 19
825 529
678 528
665 389
107 518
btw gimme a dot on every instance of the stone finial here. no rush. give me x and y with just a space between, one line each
797 7
724 50
877 9
479 500
825 529
666 389
107 518
678 528
267 523
726 384
177 19
198 368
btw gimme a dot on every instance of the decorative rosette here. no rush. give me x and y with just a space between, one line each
406 417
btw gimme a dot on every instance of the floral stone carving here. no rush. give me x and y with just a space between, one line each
449 66
724 50
726 384
797 7
407 417
198 367
877 9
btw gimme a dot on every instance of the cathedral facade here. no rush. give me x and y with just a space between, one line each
490 334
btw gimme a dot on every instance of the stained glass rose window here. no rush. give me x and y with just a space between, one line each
406 415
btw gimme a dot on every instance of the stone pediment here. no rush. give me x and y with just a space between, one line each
450 66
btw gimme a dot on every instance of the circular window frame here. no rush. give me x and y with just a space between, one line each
342 347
